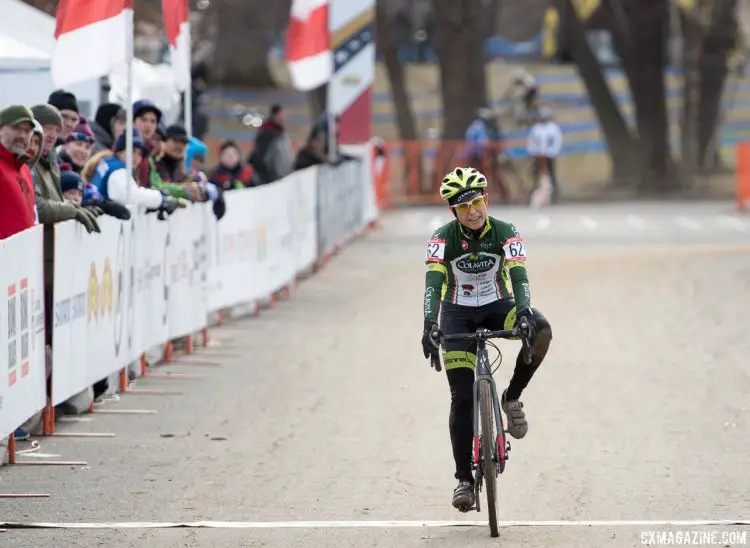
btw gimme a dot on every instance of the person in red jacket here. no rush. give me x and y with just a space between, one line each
17 204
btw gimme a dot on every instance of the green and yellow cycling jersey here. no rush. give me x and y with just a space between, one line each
473 271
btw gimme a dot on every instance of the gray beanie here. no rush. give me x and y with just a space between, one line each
47 115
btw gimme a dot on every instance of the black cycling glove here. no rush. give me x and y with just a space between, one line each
529 316
430 336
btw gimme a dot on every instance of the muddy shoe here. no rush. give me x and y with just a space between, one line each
463 496
517 425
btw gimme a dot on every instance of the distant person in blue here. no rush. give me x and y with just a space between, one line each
483 145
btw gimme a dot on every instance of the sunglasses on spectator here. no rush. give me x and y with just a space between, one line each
464 206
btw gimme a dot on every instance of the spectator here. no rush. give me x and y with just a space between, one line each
171 165
67 104
34 151
51 205
107 173
146 118
195 155
16 186
71 184
108 125
231 171
77 147
313 153
272 155
543 147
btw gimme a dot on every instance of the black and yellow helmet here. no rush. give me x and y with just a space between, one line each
460 179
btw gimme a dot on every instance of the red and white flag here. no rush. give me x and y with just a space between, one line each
177 23
308 44
92 38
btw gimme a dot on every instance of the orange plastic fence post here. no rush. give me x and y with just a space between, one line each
168 349
48 419
743 175
204 337
124 379
12 448
189 344
144 364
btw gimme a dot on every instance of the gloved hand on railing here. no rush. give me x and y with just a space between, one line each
107 207
87 219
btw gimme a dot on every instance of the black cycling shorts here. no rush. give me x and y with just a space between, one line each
467 319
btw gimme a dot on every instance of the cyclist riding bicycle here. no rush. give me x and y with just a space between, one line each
472 263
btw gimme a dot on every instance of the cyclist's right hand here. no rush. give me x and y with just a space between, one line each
431 339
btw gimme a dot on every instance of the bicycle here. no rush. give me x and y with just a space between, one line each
489 456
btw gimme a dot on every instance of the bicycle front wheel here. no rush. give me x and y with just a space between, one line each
489 442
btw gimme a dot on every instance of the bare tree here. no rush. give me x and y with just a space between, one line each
246 28
621 142
407 125
640 33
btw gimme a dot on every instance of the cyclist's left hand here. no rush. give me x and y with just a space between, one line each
430 338
529 316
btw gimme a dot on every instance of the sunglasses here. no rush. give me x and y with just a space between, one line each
464 206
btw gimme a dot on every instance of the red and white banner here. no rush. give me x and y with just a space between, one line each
92 38
23 386
308 44
177 25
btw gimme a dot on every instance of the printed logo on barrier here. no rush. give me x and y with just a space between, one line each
100 299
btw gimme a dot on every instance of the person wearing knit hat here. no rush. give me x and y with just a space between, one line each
108 125
146 116
51 120
71 184
67 104
77 147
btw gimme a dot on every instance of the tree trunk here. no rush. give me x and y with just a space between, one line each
460 52
716 47
691 92
648 29
243 40
407 125
620 141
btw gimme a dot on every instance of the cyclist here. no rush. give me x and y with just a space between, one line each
472 262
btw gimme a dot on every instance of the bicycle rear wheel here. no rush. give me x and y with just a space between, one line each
489 442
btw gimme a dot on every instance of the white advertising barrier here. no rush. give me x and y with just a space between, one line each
186 272
369 200
266 238
23 388
94 308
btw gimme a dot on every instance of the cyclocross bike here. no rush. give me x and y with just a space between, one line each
490 450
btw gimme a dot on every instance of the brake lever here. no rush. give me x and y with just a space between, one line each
523 328
435 359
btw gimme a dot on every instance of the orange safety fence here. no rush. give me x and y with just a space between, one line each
416 168
743 175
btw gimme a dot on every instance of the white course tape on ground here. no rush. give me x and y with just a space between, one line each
366 524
